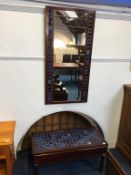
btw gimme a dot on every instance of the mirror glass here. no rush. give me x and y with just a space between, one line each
68 54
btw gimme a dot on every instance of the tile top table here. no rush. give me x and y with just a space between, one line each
70 144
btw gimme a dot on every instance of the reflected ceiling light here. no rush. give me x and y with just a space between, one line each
59 43
71 14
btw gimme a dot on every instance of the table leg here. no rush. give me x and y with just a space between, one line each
8 161
102 163
12 154
36 169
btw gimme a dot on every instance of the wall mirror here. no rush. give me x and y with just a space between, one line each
68 47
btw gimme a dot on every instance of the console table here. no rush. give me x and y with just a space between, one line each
70 144
7 144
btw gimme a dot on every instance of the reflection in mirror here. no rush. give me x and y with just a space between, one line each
69 54
69 40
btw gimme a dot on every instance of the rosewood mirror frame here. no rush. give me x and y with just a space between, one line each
49 53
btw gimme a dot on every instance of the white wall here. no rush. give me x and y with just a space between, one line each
22 72
112 39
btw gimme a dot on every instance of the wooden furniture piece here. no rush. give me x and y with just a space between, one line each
80 29
113 166
2 167
116 163
69 68
65 65
91 140
64 145
7 144
66 58
124 135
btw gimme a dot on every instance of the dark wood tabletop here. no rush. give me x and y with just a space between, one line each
65 65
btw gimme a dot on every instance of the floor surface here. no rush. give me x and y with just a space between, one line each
24 166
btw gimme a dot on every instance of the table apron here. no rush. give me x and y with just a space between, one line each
76 154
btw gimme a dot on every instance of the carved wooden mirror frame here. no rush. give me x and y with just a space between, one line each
49 53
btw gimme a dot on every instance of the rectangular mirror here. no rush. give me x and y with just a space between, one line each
68 40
